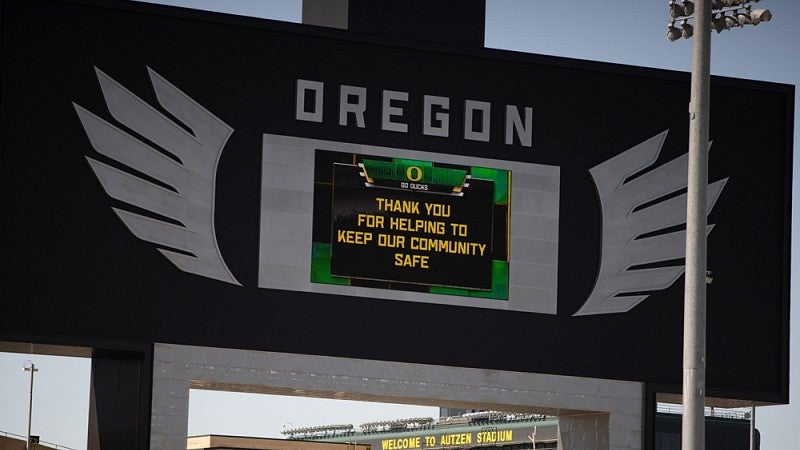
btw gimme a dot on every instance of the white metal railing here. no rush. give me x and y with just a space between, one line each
727 413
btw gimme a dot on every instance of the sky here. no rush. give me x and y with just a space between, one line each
620 31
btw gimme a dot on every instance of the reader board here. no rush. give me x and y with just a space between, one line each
185 177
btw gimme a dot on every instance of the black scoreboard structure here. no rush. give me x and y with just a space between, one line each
324 192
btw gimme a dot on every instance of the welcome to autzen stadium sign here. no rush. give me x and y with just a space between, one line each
294 189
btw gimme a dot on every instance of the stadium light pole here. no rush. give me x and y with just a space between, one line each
753 427
705 13
694 317
29 366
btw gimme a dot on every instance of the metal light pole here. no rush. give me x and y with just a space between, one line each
694 315
705 13
29 366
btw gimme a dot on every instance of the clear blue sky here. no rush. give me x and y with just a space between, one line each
621 31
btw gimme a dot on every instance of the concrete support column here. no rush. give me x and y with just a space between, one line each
600 431
583 432
449 22
326 13
169 422
626 428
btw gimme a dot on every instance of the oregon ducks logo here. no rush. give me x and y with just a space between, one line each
413 173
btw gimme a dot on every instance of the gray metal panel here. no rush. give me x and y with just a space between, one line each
287 216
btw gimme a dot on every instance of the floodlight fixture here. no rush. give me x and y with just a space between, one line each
684 9
744 19
674 9
760 15
731 22
726 14
688 8
674 33
718 23
687 30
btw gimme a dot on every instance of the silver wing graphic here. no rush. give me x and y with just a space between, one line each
192 178
633 208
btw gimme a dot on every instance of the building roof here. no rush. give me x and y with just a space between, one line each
213 441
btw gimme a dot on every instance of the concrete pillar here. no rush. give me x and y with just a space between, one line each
326 13
169 422
449 22
583 432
